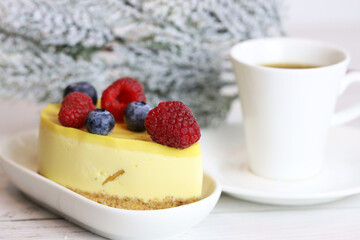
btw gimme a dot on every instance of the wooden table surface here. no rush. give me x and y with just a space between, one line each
231 219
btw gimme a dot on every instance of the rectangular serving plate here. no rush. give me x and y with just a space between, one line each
19 160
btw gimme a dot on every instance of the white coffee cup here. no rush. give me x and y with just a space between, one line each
287 112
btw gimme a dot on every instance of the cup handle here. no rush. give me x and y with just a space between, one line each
352 112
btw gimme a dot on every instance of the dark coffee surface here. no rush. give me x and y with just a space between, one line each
289 65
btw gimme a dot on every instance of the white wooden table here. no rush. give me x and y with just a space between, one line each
231 218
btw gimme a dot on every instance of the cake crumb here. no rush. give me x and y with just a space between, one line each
114 176
135 203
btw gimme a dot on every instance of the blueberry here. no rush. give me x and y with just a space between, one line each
100 121
83 87
135 114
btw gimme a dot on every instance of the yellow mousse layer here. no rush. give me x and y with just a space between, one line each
123 164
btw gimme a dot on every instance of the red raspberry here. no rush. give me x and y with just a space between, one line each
74 109
172 124
118 95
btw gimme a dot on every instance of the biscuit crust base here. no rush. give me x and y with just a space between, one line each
135 203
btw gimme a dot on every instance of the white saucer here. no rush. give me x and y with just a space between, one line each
19 160
225 156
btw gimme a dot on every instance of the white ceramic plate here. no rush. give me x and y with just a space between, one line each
225 156
19 160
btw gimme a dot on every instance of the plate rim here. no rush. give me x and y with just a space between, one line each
244 192
308 196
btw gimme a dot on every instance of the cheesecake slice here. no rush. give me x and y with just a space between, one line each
124 169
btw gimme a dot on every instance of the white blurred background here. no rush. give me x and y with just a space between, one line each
336 21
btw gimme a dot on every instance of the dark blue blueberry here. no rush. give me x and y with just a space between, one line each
135 114
83 87
100 121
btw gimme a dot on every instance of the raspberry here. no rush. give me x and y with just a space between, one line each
118 95
172 124
74 109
